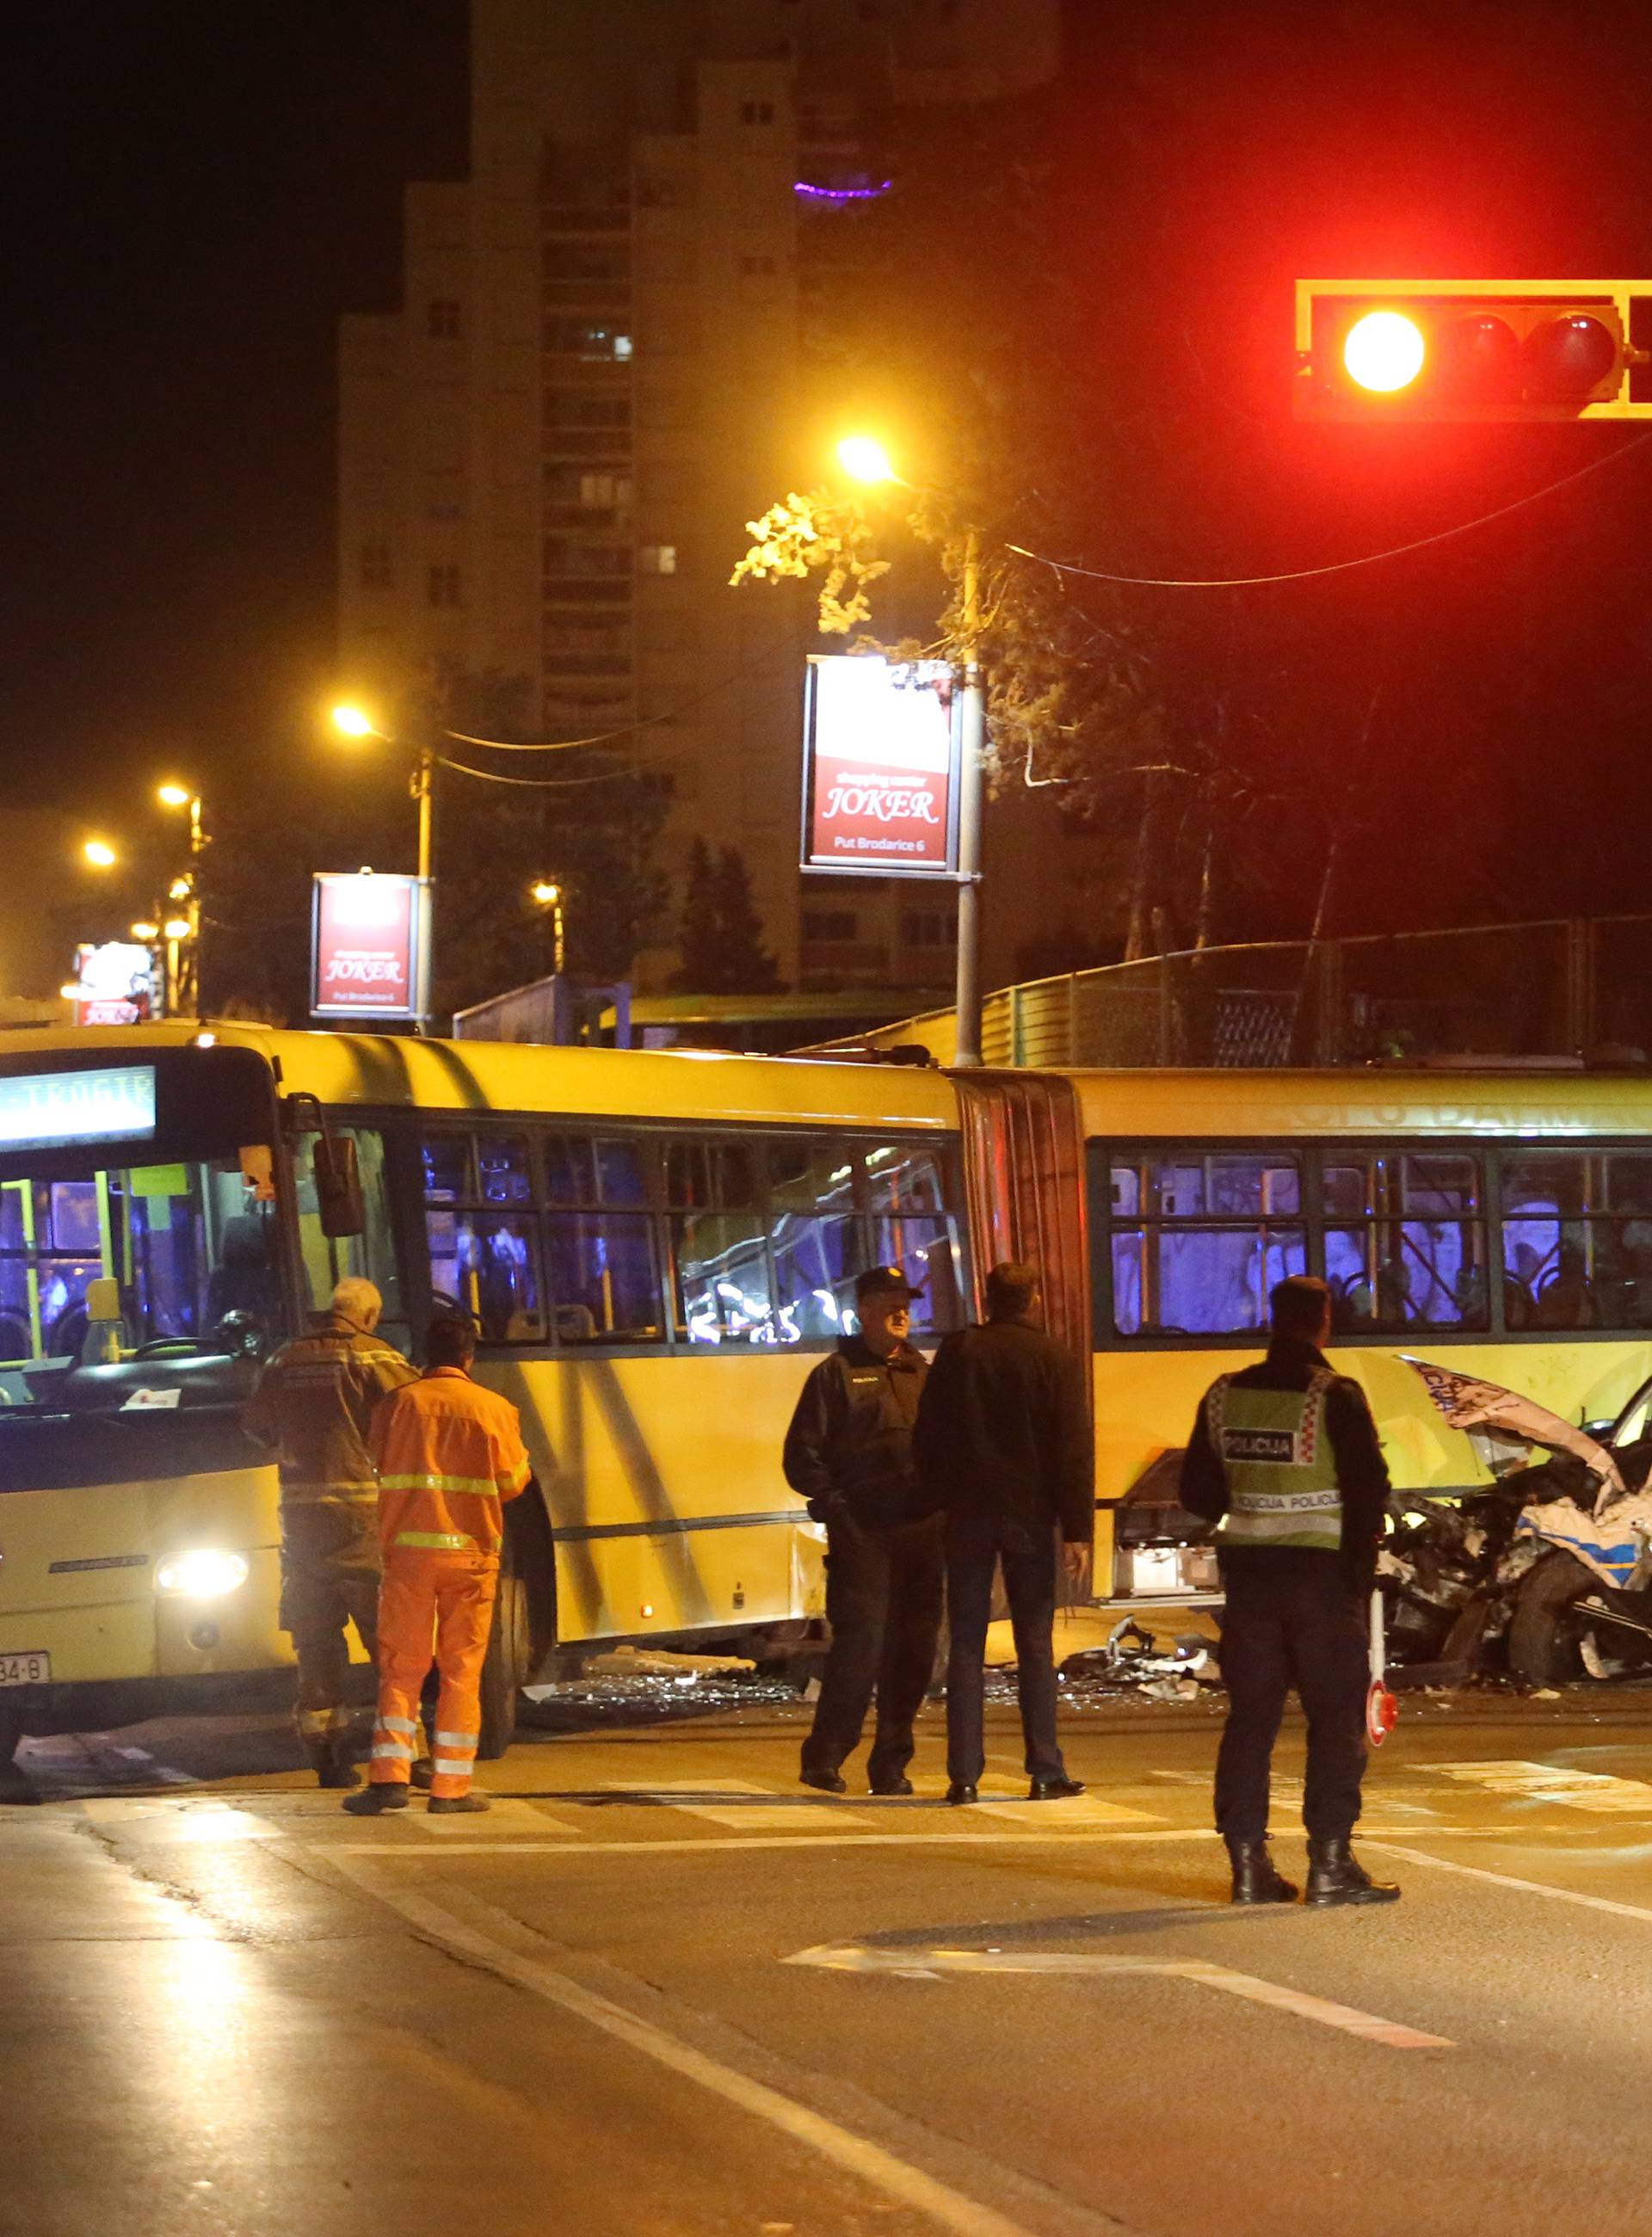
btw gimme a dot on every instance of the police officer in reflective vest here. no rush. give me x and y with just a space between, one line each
1284 1457
314 1404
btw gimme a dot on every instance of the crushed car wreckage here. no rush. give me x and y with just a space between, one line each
1547 1571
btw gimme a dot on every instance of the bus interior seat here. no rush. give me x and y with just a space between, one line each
243 1280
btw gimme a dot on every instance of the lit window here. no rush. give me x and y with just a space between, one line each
658 558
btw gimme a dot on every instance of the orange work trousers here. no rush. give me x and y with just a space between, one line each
444 1600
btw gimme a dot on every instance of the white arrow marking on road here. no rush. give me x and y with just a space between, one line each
932 1964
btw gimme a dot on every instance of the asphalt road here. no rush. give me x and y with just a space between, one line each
661 1989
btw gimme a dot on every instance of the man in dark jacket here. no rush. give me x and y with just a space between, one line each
1003 1446
1284 1456
849 1452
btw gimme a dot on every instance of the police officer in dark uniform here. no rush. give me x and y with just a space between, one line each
1284 1456
849 1452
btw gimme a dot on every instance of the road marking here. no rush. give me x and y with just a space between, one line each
156 1818
909 2186
932 1964
706 1845
1078 1809
696 1798
1507 1879
1543 1782
505 1814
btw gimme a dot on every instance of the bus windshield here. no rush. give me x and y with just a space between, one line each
190 1248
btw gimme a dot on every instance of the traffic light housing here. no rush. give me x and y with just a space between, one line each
1385 350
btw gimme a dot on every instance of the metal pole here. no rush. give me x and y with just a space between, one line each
424 771
971 747
197 846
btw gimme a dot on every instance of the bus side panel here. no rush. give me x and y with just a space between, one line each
663 1483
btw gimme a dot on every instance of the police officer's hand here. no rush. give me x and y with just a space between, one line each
1075 1560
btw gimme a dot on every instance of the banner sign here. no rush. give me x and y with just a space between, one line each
880 767
369 946
116 983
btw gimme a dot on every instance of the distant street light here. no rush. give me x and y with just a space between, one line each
146 932
865 459
183 952
548 896
351 721
99 854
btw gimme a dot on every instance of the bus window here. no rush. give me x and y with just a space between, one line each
812 1228
719 1244
1199 1241
191 1252
482 1262
327 1258
599 1242
1559 1266
1404 1241
913 1229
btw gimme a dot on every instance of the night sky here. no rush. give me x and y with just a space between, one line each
199 190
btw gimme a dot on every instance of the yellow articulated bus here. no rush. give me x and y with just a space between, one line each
653 1246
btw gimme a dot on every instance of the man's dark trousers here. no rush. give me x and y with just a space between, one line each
976 1546
1283 1627
883 1597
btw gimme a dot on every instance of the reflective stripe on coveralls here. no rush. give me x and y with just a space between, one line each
1281 1470
447 1598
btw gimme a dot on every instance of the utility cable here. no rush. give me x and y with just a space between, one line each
536 783
1335 566
629 730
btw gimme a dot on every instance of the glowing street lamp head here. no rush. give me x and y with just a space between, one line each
351 722
173 796
864 459
177 927
146 932
99 854
546 891
1383 351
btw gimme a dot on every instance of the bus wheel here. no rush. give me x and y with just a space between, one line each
506 1668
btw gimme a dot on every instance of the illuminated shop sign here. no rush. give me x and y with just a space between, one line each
369 948
116 983
42 1110
880 767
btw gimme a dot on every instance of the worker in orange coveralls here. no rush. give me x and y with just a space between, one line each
448 1454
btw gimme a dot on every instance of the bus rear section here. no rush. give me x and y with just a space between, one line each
140 1282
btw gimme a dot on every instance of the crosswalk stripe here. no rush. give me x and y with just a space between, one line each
695 1798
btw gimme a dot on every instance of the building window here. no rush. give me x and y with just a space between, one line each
441 585
444 320
583 407
929 928
756 112
830 925
377 573
657 559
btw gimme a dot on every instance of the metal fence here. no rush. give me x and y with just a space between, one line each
1567 986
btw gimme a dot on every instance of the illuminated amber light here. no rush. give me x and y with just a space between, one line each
99 854
352 722
865 459
173 795
1384 351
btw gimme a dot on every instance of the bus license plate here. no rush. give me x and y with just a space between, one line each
31 1667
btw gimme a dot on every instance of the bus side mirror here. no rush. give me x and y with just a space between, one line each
338 1186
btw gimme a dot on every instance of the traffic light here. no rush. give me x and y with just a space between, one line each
1376 350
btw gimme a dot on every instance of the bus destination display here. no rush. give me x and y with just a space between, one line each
42 1110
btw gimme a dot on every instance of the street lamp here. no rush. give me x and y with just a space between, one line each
99 854
183 955
865 459
350 721
548 894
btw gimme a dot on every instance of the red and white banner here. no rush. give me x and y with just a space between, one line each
116 983
367 947
881 765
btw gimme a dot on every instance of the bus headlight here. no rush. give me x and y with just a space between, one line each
202 1574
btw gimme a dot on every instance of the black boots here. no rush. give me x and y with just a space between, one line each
1255 1879
333 1759
1333 1876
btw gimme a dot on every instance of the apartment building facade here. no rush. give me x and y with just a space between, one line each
602 369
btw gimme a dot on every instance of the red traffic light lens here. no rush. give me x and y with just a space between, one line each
1480 357
1570 356
1383 351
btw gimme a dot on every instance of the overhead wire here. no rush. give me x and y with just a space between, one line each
628 729
1334 566
538 783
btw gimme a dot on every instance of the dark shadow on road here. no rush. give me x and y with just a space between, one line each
1090 1926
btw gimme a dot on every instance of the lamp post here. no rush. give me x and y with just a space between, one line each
548 896
351 722
866 460
183 946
